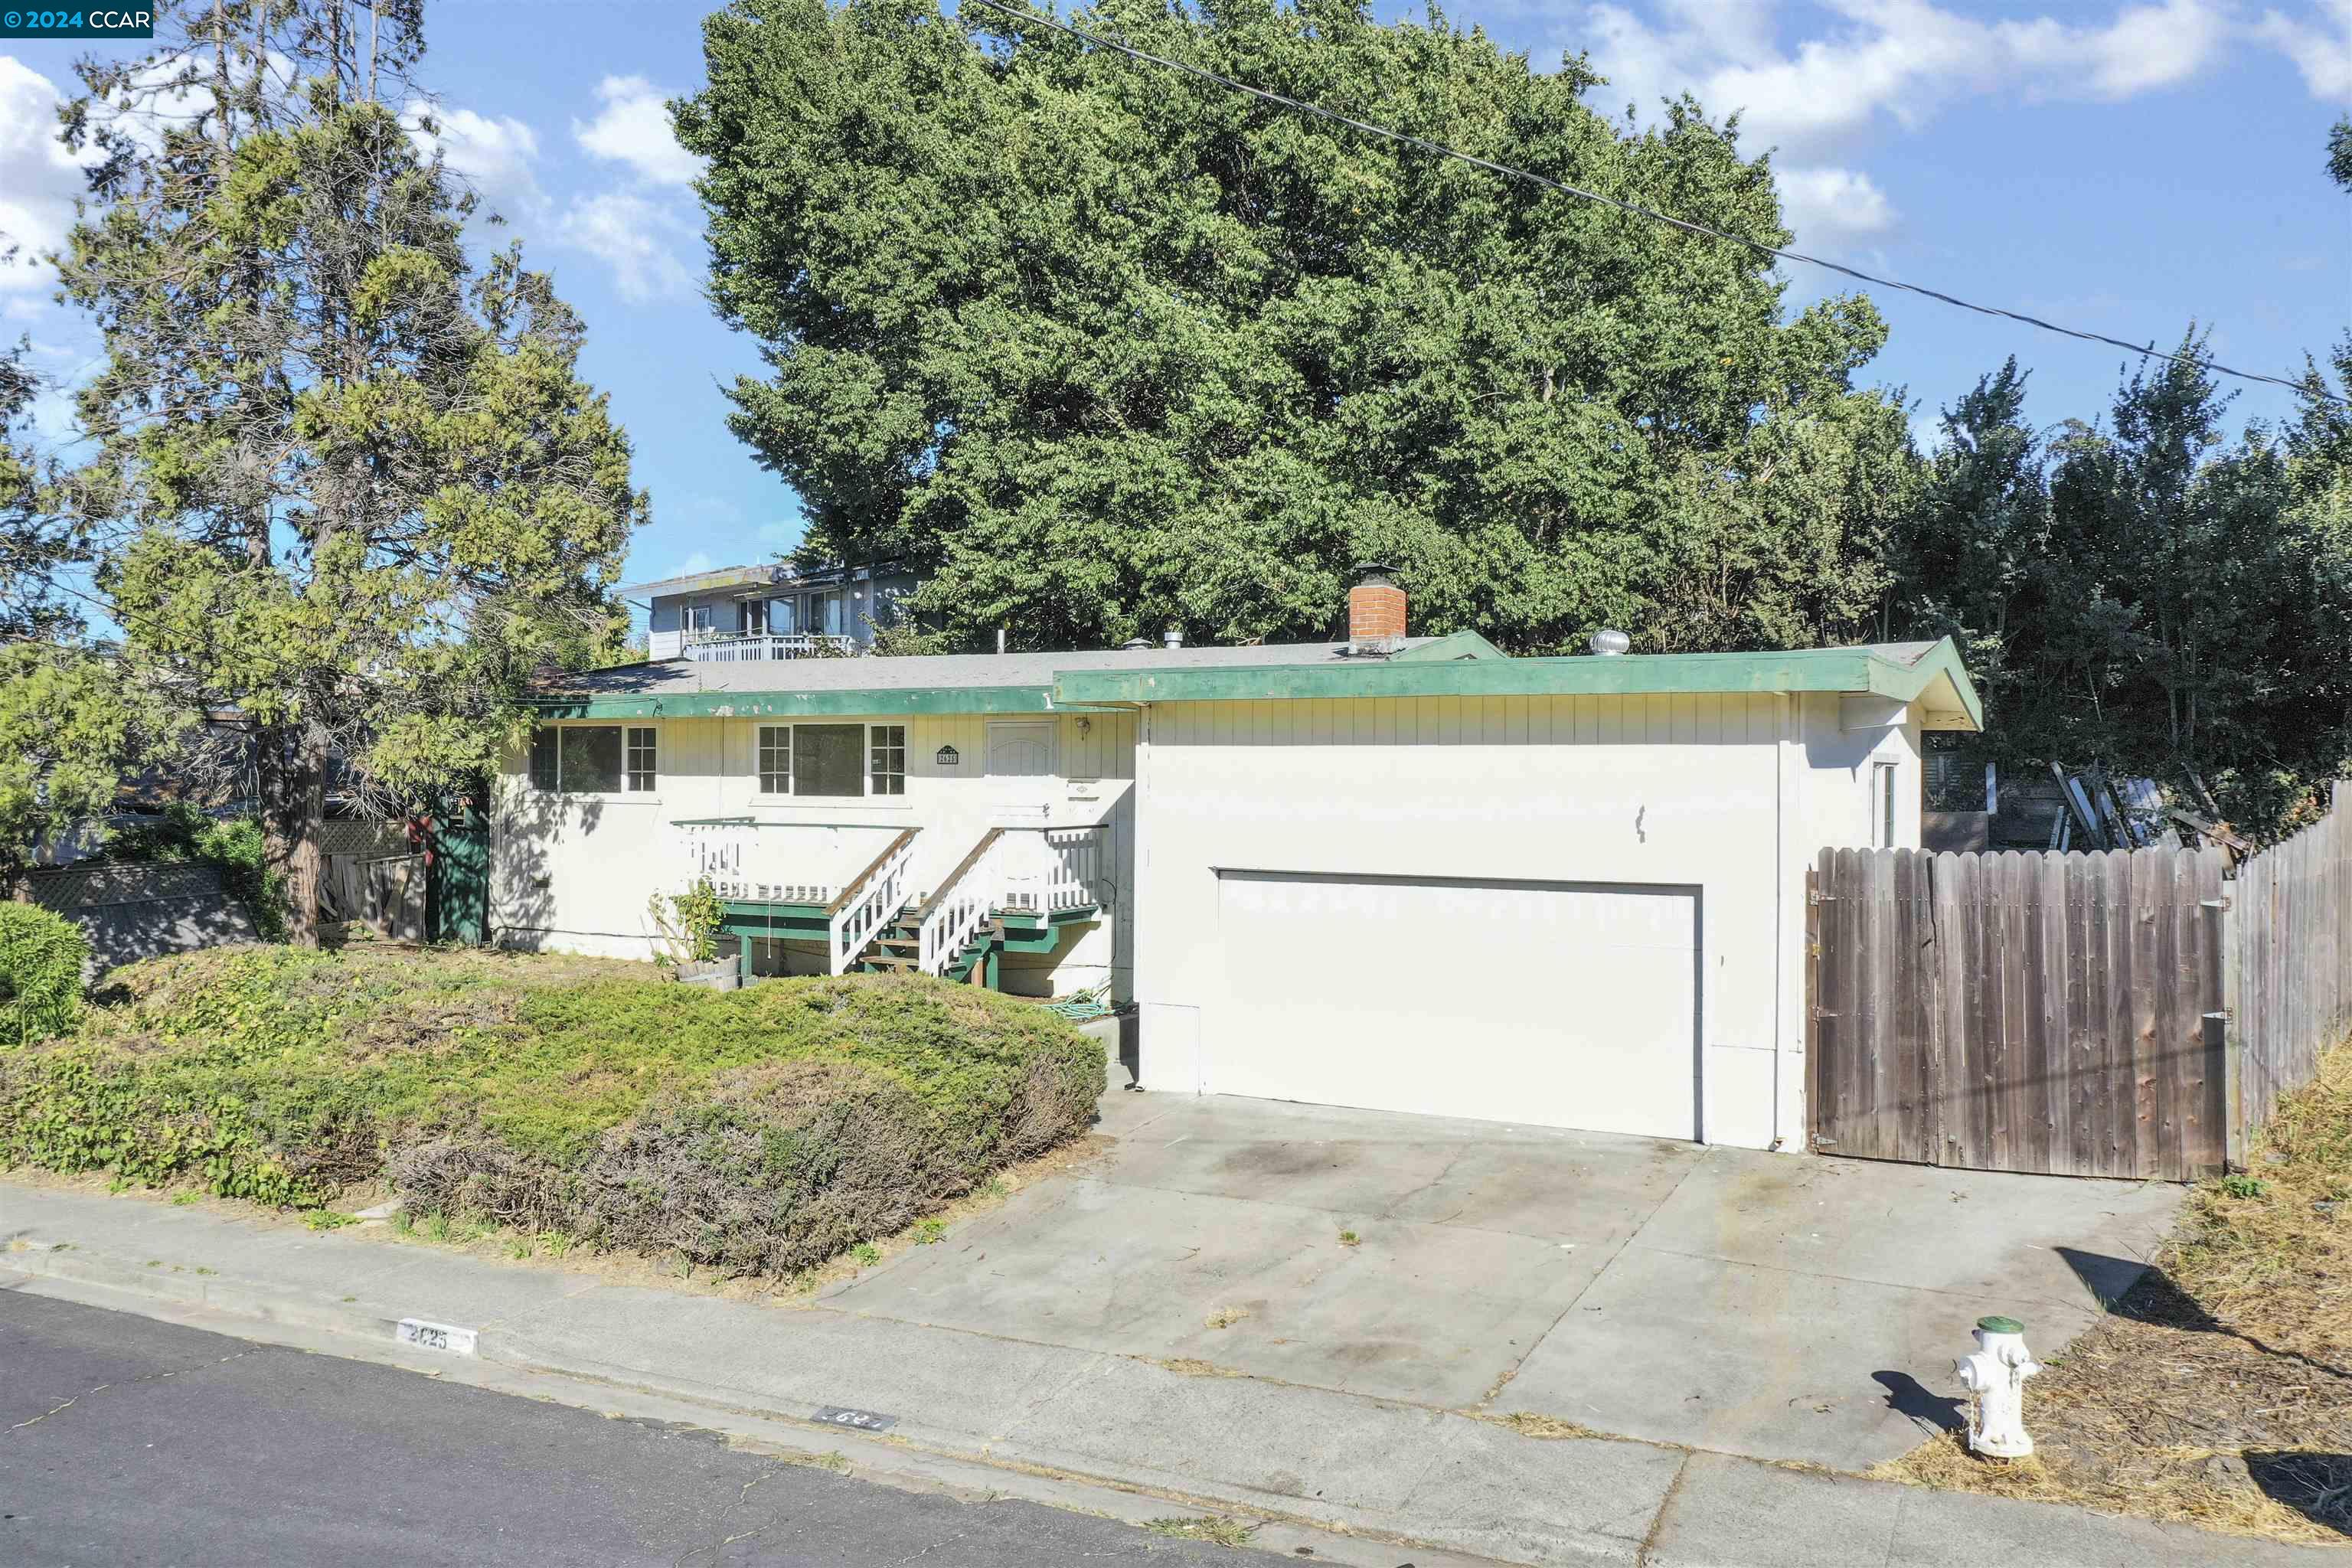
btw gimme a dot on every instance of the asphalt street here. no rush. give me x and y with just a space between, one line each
127 1441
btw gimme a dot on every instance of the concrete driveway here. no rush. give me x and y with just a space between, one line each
1786 1306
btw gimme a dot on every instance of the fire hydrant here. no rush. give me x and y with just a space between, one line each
1994 1374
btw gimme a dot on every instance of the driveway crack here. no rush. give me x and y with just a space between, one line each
1598 1274
1642 1554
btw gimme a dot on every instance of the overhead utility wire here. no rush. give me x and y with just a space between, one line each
1443 151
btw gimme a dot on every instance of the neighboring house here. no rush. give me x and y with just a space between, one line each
770 612
1408 875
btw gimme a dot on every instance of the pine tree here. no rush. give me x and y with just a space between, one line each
354 487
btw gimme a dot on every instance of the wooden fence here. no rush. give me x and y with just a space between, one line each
2021 1012
2291 989
2114 1012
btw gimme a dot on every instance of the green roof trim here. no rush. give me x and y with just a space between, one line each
1462 664
1849 669
1452 645
853 703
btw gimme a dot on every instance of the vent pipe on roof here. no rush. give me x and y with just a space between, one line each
1607 643
1135 645
1173 638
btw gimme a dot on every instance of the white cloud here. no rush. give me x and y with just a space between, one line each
1829 206
39 178
630 234
2320 47
633 128
494 156
1890 59
698 562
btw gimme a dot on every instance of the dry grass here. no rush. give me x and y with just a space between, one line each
1228 1532
1529 1424
2218 1391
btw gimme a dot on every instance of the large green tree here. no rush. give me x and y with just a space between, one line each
1107 348
2144 589
356 486
71 721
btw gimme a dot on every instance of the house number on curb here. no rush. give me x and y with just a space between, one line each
864 1420
435 1336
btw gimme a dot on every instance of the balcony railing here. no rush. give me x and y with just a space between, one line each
728 647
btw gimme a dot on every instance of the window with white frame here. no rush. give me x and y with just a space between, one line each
775 759
697 618
885 769
834 761
1882 806
594 758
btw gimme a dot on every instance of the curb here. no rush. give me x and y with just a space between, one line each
917 1460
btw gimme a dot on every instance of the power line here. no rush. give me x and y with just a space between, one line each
1635 209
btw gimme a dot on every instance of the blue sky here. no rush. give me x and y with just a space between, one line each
2123 168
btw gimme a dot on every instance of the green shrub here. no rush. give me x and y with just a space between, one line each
237 847
41 960
758 1131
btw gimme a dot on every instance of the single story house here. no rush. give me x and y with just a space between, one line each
1404 874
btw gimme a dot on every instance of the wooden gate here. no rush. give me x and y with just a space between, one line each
2048 1013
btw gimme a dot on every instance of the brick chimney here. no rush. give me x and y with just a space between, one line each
1375 611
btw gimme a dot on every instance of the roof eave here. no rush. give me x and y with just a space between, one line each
1937 681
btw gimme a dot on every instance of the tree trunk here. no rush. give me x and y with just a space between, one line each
293 780
306 862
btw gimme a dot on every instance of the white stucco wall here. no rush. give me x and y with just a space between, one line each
1731 795
573 873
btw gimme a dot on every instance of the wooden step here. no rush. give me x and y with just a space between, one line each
903 944
887 961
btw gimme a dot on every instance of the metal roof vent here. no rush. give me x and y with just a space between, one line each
1135 645
1608 644
1173 637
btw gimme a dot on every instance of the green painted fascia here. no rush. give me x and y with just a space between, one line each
1805 669
805 704
1908 682
1424 673
1452 645
755 910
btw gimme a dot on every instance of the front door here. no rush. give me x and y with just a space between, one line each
1020 767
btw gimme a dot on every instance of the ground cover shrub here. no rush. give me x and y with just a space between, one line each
41 961
759 1130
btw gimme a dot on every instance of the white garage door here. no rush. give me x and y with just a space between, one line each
1550 1004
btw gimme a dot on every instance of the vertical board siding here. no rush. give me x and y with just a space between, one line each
2293 942
2019 1011
2109 1013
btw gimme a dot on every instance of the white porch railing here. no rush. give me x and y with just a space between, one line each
728 647
960 904
1026 868
727 854
869 903
1065 870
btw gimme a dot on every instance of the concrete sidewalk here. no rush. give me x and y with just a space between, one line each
1077 1427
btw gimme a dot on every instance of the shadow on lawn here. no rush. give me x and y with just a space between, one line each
2314 1484
2157 1299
